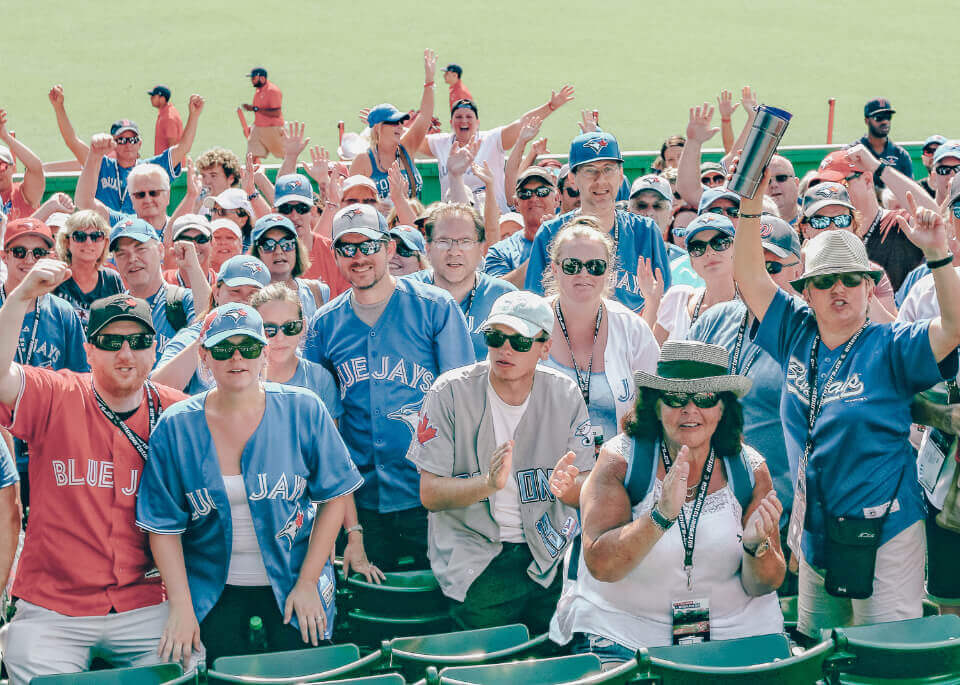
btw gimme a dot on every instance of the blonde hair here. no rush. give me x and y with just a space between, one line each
588 228
82 219
277 292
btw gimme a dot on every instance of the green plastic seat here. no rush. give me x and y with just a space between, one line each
158 674
370 630
788 607
295 666
580 669
403 594
383 679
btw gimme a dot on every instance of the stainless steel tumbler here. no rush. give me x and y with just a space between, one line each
762 141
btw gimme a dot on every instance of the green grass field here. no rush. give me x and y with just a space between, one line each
642 64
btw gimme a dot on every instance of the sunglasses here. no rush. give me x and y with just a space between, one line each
113 342
711 180
677 400
642 206
140 194
285 244
540 191
250 349
289 328
850 280
291 207
93 236
782 178
956 211
947 169
820 222
220 211
405 251
520 343
882 117
732 212
773 268
719 243
132 140
198 239
594 267
20 252
367 247
930 150
572 192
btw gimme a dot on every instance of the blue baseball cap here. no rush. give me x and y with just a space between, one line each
268 221
292 188
951 148
232 319
385 113
709 222
934 139
243 269
135 228
711 195
593 147
410 237
779 237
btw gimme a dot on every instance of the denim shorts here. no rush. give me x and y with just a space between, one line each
609 652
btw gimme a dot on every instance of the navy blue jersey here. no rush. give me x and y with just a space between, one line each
108 283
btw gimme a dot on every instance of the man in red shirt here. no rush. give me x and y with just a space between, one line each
18 200
268 117
452 75
169 126
86 579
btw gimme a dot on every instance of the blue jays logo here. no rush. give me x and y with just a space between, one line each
585 432
291 527
294 183
355 212
255 267
409 414
237 315
596 144
126 305
127 224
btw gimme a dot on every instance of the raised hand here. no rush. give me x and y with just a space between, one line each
725 104
561 97
4 133
334 191
397 179
194 183
292 138
563 480
43 278
248 174
319 167
196 104
748 98
529 128
861 157
185 252
539 147
501 464
462 156
363 114
926 229
429 65
102 144
698 127
589 121
64 203
764 522
482 171
56 96
675 485
650 284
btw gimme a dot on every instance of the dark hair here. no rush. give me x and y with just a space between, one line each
300 265
464 104
644 424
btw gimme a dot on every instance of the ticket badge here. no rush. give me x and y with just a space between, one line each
932 456
691 621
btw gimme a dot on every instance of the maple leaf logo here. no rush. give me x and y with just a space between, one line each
425 432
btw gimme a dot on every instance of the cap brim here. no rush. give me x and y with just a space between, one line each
122 316
301 199
521 326
139 237
820 204
700 229
799 283
411 245
223 335
668 198
830 175
605 158
125 129
238 281
549 180
738 385
777 250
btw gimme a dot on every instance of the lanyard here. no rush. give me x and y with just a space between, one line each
469 298
696 310
138 443
25 352
122 190
738 349
582 380
688 529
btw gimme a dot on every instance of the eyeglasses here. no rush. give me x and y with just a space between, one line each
289 328
405 251
285 244
820 222
539 191
850 280
220 211
712 180
956 211
773 268
249 349
81 237
677 400
930 149
947 169
520 343
594 267
20 252
448 243
140 194
719 243
643 206
291 207
198 239
571 192
367 247
113 342
592 173
884 116
782 178
132 140
732 212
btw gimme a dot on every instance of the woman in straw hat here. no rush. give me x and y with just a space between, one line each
846 416
680 519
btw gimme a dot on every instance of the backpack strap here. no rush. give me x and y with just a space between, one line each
175 311
740 475
317 289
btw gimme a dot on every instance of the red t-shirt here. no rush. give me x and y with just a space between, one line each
459 92
267 97
172 276
169 127
15 204
323 265
83 553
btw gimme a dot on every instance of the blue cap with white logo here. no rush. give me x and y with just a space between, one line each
951 148
711 195
243 269
232 319
410 237
385 113
593 147
268 221
709 222
292 188
134 228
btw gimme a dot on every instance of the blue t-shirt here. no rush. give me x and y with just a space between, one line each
112 183
158 307
638 237
911 280
507 255
316 378
681 271
383 372
382 180
476 305
602 408
8 469
294 458
108 283
861 438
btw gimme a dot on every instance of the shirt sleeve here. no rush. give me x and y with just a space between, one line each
161 501
538 261
778 331
163 160
8 469
674 301
433 450
327 390
76 356
332 472
495 263
913 367
452 344
43 395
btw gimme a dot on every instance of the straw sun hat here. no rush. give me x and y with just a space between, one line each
687 366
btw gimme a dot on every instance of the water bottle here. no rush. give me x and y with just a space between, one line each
256 636
768 128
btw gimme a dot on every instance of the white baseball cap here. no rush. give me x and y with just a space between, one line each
525 312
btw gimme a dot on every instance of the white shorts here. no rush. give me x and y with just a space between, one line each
898 589
39 641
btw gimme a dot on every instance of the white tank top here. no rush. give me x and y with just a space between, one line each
246 565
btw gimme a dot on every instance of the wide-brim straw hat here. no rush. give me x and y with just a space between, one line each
689 366
835 252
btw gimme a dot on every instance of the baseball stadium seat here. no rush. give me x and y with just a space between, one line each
295 666
158 674
580 669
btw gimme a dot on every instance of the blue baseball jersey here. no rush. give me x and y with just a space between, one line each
847 474
315 377
911 280
158 309
383 373
8 469
638 237
112 183
476 305
202 379
294 458
108 283
507 255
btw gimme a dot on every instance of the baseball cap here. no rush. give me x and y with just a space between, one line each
544 175
358 180
709 222
824 195
657 184
188 221
516 217
219 224
135 228
28 226
778 236
877 106
464 104
953 193
57 220
410 237
711 195
122 125
949 149
160 90
119 307
523 311
564 172
712 168
837 166
243 269
257 71
268 221
593 147
293 188
231 198
385 113
6 155
361 219
455 68
227 320
935 139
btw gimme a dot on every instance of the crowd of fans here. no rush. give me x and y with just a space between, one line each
628 412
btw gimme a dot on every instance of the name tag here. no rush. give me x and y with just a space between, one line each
931 458
691 621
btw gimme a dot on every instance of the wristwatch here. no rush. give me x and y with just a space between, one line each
759 549
355 529
254 195
659 520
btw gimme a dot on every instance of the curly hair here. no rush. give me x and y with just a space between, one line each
227 160
643 423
